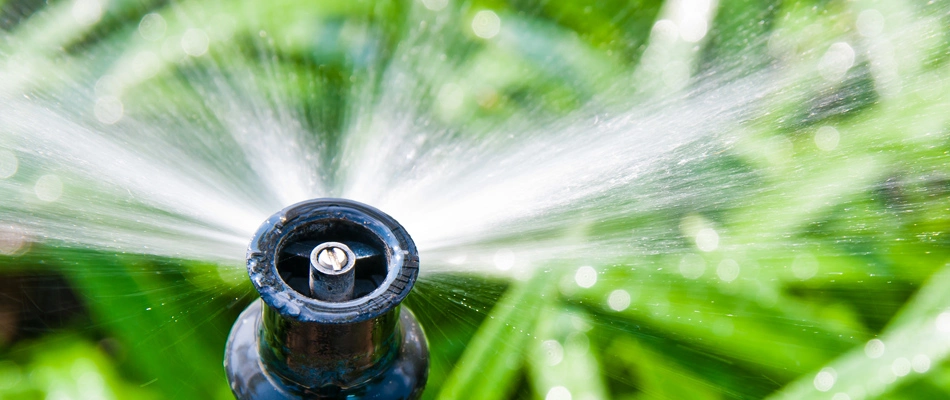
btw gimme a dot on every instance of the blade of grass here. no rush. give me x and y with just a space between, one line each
918 336
489 367
563 358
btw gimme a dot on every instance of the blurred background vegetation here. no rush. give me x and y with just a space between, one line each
835 283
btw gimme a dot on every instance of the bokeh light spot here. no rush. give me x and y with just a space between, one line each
728 270
486 24
152 27
109 109
195 42
692 266
901 366
805 266
435 5
558 393
825 380
836 62
826 138
920 363
870 23
504 259
874 348
8 164
707 239
585 276
87 12
48 188
943 322
618 300
12 240
553 352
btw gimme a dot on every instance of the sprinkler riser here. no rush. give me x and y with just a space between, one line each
341 355
296 343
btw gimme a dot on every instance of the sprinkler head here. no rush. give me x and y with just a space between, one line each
331 274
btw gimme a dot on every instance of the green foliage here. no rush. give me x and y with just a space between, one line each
821 249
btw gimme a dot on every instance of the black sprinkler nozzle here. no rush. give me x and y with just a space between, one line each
331 274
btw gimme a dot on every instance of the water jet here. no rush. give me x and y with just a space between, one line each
331 274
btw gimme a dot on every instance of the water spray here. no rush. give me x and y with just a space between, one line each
331 274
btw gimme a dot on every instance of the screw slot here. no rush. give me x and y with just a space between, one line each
332 276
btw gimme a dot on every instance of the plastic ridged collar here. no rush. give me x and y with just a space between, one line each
402 261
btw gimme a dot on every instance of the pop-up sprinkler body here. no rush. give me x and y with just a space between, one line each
331 274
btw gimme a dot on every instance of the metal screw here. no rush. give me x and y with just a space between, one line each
332 275
332 257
